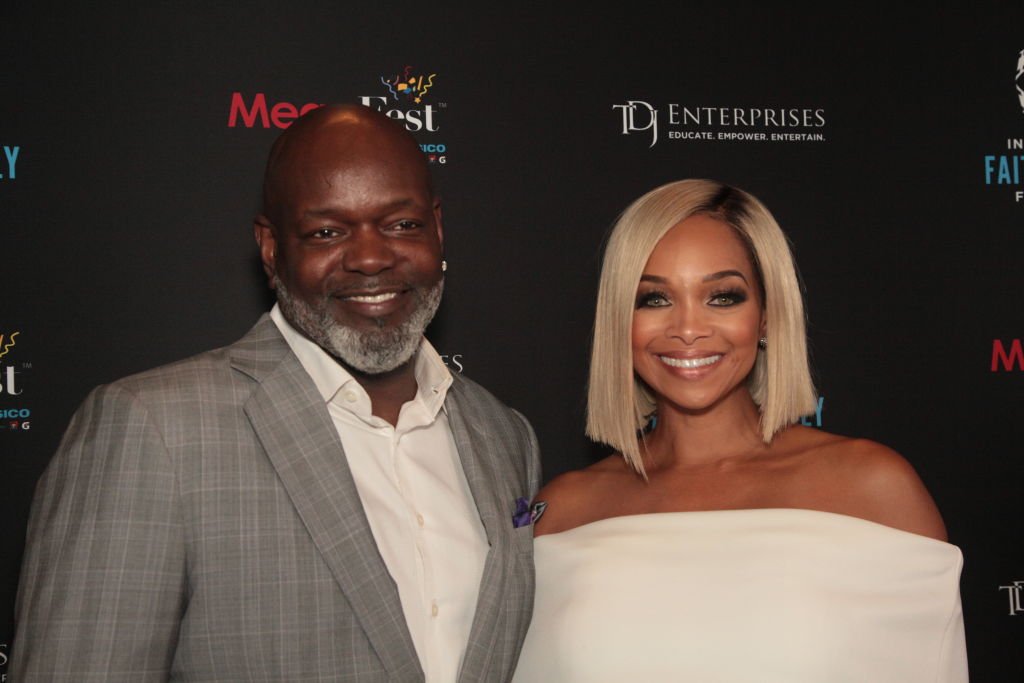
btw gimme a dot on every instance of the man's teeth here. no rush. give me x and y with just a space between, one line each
690 362
373 298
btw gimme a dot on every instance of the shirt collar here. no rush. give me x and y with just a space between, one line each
332 379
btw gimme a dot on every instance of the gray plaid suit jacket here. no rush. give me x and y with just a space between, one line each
199 523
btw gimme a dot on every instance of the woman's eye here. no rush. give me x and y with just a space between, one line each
727 298
652 300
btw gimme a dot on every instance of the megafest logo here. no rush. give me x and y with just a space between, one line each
411 87
1007 357
9 170
684 122
405 96
1006 169
1013 591
15 416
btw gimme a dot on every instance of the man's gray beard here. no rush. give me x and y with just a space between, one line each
373 352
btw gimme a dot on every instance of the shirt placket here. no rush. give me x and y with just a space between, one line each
419 526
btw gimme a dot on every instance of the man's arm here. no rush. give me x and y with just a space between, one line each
103 582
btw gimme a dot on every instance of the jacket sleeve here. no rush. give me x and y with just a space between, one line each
103 581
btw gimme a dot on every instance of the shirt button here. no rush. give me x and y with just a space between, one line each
419 519
351 396
433 609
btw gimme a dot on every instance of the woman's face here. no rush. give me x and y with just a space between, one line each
698 316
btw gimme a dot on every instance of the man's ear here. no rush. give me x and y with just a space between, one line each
266 237
439 223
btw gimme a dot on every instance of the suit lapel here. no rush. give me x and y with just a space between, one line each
472 441
294 427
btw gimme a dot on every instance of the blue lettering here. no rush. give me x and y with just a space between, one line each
12 159
1002 169
816 421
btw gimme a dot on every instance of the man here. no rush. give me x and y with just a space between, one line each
321 500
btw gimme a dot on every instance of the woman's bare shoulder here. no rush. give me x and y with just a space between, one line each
574 498
875 482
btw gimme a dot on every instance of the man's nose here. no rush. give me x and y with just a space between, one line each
368 252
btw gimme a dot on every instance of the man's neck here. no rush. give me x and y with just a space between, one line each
388 391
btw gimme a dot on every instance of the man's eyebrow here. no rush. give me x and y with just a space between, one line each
330 211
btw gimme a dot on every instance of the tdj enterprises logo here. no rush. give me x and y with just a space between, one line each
732 124
1013 592
8 170
17 417
1007 169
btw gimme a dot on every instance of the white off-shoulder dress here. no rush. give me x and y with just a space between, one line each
744 596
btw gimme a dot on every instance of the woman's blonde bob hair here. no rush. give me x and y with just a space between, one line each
619 404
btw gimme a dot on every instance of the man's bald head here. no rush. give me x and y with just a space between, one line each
351 237
336 135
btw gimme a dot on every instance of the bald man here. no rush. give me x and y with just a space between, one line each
320 501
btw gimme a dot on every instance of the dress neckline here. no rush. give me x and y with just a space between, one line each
733 514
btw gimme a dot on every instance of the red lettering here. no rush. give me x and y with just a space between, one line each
1007 360
259 108
283 114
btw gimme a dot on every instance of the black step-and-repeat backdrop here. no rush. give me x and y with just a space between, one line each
889 144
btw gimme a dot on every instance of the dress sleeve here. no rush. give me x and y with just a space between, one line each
953 653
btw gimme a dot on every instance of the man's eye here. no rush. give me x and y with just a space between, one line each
403 226
325 233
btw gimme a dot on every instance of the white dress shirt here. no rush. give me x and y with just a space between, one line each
415 495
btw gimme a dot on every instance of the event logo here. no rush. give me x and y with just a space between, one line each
11 156
6 344
453 361
1006 360
403 100
814 420
409 85
3 660
733 124
16 418
1007 169
280 114
1013 592
1019 81
405 92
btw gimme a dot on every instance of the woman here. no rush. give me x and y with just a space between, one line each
726 542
